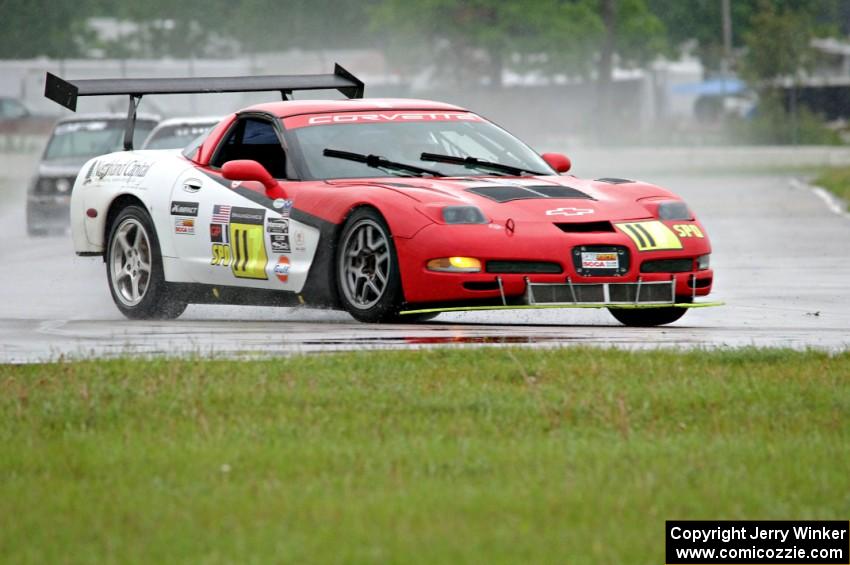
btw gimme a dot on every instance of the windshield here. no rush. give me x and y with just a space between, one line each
92 138
402 136
177 136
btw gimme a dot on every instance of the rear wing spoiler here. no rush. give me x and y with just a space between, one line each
65 92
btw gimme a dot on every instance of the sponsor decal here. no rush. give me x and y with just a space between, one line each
220 255
282 204
89 176
596 260
569 212
688 230
295 122
279 243
281 270
650 236
238 241
221 214
277 225
299 241
184 226
252 216
126 169
248 243
184 208
218 234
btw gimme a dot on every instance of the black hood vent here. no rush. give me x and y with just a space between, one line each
508 193
611 180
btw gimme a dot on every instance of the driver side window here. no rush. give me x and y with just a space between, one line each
255 139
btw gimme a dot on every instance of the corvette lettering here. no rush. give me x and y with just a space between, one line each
379 117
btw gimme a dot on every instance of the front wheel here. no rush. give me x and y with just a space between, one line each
367 269
646 317
134 269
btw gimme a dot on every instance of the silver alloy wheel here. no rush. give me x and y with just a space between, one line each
365 264
130 262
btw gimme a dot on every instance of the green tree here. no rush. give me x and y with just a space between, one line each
778 55
478 38
34 28
700 20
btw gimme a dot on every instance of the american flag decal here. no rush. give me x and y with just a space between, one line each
221 214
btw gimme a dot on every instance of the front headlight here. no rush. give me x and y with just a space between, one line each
455 265
63 185
45 186
703 262
673 210
463 215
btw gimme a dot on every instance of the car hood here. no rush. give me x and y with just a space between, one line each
539 198
61 167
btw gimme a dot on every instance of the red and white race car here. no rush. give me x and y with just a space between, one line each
391 209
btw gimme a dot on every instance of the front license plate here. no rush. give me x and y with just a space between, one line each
599 260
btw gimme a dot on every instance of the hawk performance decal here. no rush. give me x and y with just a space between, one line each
650 235
238 241
248 243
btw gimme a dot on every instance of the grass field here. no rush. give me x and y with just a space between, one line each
837 181
439 456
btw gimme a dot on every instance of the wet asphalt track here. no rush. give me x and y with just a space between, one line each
781 260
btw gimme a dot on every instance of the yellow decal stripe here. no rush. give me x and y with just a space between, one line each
651 235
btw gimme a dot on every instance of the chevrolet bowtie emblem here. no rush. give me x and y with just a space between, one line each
569 212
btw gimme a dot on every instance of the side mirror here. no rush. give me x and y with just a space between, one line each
247 170
558 161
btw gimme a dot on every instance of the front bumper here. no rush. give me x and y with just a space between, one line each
534 242
48 212
638 295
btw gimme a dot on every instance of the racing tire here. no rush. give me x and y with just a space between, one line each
134 269
647 317
367 271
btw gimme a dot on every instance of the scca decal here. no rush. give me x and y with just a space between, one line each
380 117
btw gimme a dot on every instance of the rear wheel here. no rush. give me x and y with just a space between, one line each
134 269
367 268
645 317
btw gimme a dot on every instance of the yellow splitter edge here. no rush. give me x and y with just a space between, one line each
564 305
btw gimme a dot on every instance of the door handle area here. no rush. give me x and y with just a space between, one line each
192 185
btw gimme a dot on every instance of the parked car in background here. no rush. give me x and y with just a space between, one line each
74 141
17 118
177 133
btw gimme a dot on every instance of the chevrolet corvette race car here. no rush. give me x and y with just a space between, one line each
393 210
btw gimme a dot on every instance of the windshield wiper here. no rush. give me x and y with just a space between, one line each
379 162
474 162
